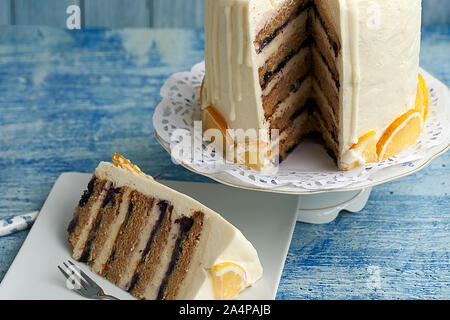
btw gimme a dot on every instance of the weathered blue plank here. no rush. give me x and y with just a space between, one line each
395 248
71 98
143 13
178 13
5 11
118 13
435 12
434 54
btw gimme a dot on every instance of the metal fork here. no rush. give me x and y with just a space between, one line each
82 283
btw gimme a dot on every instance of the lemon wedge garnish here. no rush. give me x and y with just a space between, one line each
367 146
402 133
228 279
422 98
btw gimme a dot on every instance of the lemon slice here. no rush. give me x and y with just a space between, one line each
228 279
367 146
402 133
212 119
422 98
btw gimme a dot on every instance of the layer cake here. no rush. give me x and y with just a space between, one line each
346 71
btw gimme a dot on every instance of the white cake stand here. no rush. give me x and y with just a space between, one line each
321 205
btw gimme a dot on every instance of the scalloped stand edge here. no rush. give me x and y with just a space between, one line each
325 207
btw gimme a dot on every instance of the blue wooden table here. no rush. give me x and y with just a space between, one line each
69 99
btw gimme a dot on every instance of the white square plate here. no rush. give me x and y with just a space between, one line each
267 220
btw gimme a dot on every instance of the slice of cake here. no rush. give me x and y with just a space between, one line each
342 70
155 242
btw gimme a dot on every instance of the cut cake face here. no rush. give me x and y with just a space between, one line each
155 242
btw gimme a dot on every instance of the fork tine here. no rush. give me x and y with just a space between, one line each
85 276
83 283
67 275
63 272
89 289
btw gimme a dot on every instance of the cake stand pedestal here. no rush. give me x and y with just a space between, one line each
325 207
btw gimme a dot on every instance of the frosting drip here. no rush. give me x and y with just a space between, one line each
230 78
356 72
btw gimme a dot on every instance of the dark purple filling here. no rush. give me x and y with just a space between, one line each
264 42
185 226
92 233
163 209
87 193
297 84
162 214
130 211
309 106
72 225
134 282
87 250
122 228
333 43
112 256
163 204
333 135
334 75
269 74
333 130
111 196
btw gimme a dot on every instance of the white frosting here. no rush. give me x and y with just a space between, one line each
261 11
231 81
378 64
380 58
220 241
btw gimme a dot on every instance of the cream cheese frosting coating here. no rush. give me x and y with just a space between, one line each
376 62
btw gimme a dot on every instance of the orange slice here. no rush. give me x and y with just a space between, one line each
402 133
212 119
229 279
122 162
422 98
367 146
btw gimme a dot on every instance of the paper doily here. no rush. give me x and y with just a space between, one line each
179 110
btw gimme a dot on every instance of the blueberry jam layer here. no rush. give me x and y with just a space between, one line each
87 193
185 224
